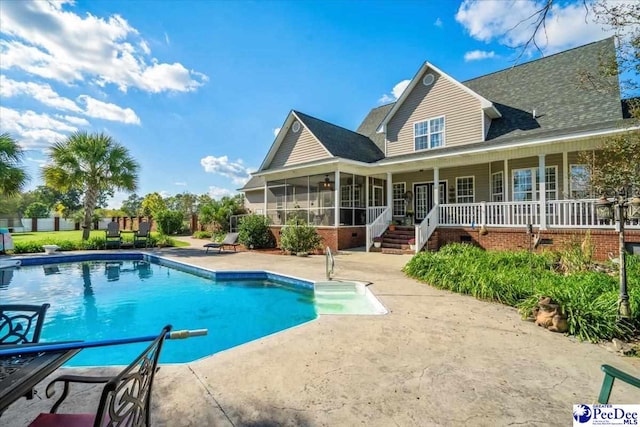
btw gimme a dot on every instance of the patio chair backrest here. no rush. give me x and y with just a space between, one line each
113 229
143 229
126 398
21 323
230 239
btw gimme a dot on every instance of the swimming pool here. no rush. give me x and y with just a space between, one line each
136 294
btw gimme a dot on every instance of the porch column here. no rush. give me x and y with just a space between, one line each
264 212
390 192
506 184
366 197
542 189
565 175
337 197
436 186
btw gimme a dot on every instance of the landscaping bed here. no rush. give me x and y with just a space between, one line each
588 297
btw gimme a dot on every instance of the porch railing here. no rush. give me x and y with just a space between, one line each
377 226
558 214
425 229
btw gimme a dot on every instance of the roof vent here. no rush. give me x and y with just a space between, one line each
296 126
428 79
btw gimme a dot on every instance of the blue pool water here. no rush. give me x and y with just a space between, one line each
96 300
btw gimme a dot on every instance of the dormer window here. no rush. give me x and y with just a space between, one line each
429 134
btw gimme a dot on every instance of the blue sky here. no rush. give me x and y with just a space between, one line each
196 89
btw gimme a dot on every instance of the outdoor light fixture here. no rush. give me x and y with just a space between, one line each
605 211
327 184
633 208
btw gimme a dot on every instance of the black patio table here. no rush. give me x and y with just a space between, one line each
20 373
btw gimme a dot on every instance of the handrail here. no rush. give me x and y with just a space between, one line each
378 226
329 263
425 229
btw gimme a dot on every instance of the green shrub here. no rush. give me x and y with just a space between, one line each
254 232
169 222
202 234
519 279
297 236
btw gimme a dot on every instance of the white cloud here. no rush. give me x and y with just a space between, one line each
39 162
41 92
276 131
237 171
78 121
476 55
164 194
567 24
46 39
108 111
395 92
181 183
33 130
219 192
438 23
166 39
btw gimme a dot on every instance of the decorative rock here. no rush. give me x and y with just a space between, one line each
549 315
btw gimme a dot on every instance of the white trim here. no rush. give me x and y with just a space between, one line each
510 146
565 175
535 182
473 183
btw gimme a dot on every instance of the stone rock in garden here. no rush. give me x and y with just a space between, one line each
548 314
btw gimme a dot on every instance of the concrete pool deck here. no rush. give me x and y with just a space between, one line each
437 358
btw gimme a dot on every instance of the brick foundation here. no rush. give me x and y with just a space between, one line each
334 238
604 241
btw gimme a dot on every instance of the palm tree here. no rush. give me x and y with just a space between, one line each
12 175
93 163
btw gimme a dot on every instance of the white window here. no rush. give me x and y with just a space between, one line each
429 134
497 187
399 208
349 195
525 184
465 189
579 182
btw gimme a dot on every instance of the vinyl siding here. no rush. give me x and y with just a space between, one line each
463 121
297 148
254 200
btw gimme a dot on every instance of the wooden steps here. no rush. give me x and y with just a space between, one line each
397 241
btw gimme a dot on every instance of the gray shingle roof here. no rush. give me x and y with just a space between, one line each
342 142
254 182
550 86
371 123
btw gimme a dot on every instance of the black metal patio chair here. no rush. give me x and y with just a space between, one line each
21 323
125 398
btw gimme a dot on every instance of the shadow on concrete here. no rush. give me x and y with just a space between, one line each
258 415
194 252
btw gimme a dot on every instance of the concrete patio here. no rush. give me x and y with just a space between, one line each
436 359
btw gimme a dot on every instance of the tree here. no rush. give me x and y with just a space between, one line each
94 164
152 204
12 175
37 210
133 205
615 167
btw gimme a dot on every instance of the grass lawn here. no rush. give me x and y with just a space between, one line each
73 236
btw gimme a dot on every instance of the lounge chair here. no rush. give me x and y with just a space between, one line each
112 237
230 239
125 399
141 237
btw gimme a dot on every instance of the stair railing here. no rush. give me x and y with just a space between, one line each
425 229
377 227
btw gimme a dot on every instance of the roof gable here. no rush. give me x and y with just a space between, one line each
485 104
286 133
